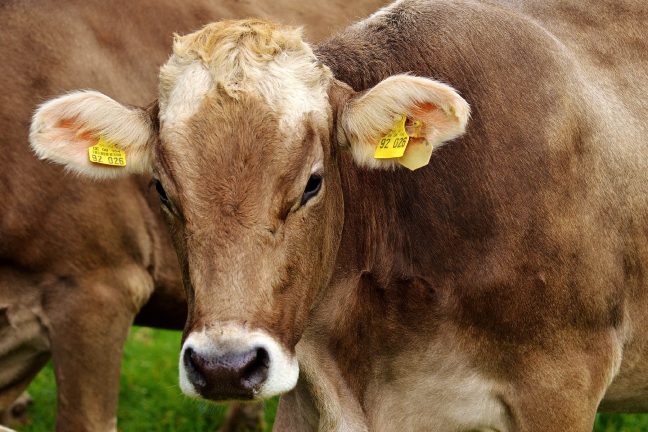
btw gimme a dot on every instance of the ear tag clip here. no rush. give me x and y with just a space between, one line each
419 150
393 144
106 153
407 144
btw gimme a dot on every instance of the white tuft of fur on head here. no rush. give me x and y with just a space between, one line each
247 56
192 82
369 116
63 129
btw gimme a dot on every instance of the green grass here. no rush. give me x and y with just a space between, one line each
150 399
621 422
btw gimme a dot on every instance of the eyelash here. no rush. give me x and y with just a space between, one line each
164 199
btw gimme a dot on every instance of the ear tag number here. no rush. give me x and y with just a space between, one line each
393 144
106 153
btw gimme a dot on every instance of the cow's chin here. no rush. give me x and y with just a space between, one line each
230 362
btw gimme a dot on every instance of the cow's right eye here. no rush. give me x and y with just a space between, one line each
312 188
164 199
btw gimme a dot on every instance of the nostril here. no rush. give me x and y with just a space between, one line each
255 371
192 363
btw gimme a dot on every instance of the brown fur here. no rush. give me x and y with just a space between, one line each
525 240
91 254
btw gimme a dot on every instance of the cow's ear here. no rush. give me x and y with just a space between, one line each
433 112
94 135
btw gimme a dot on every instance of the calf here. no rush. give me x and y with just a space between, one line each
498 287
78 260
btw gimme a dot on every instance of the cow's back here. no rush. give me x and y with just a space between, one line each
61 234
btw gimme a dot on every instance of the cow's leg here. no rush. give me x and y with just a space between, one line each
244 417
560 390
89 321
24 345
16 414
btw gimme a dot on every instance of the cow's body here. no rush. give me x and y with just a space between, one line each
79 259
502 286
499 288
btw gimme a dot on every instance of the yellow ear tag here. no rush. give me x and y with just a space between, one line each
394 143
106 153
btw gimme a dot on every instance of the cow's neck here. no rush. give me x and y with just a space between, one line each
322 399
378 304
382 297
362 320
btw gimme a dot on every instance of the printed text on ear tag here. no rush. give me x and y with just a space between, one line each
394 143
106 153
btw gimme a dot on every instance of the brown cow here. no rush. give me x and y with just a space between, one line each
500 287
78 259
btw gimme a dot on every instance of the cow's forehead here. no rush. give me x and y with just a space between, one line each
254 57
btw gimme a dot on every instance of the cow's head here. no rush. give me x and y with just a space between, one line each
244 150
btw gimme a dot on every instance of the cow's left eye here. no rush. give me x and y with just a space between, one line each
312 188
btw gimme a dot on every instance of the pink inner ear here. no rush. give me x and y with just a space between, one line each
424 108
434 117
428 113
69 141
72 129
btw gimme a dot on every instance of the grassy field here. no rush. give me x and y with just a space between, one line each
151 401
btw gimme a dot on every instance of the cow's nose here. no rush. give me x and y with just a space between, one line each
228 376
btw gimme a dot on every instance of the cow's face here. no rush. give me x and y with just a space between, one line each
255 208
251 191
244 151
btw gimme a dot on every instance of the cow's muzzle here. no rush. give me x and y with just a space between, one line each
227 376
234 363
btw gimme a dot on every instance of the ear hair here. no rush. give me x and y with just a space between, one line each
153 111
339 94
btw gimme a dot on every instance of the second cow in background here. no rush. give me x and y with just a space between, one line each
79 260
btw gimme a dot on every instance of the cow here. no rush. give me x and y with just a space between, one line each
489 277
79 260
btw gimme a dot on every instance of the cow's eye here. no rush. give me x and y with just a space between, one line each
164 199
312 188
